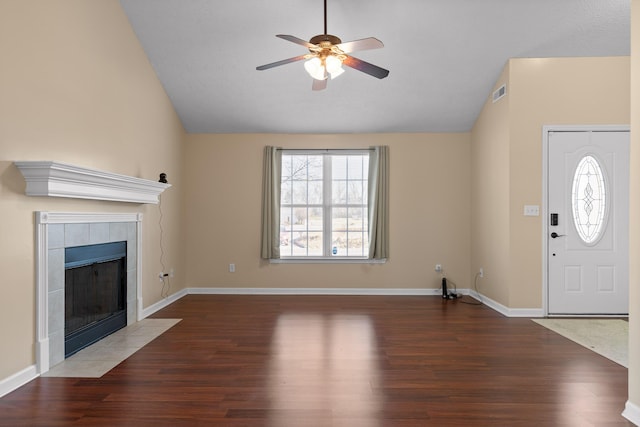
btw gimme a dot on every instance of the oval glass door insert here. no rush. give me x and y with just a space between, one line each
589 200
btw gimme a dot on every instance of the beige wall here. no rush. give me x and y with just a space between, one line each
634 273
490 196
555 91
552 91
76 87
429 211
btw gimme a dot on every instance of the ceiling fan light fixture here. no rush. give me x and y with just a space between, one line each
337 73
315 68
334 66
327 54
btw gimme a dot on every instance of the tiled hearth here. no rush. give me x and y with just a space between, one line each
56 231
99 358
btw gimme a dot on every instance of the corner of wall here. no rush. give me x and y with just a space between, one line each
490 193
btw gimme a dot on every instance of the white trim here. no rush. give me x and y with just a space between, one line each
139 304
496 306
504 310
85 218
324 151
287 291
546 130
327 260
18 379
312 291
55 179
632 413
586 128
42 294
162 304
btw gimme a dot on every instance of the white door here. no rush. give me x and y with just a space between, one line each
588 238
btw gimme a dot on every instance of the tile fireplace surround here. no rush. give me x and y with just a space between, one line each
56 231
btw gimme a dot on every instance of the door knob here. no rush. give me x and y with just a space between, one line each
554 235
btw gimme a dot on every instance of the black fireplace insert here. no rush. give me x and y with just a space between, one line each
95 293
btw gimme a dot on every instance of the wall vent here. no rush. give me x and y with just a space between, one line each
499 93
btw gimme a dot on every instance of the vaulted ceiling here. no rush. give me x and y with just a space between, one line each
444 57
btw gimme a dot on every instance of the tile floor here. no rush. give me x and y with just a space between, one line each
99 358
607 337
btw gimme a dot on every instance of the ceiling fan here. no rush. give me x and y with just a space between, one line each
327 54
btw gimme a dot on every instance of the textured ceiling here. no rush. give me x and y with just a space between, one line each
444 57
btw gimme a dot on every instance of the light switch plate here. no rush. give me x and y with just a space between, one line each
531 210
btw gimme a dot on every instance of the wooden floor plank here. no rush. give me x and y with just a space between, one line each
337 361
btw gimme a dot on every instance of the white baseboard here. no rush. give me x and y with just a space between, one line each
311 291
42 354
632 413
18 379
163 303
504 310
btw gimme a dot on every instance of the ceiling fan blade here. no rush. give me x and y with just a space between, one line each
283 62
361 44
319 84
365 67
296 40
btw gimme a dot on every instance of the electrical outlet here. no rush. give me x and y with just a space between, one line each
171 273
438 268
232 268
481 272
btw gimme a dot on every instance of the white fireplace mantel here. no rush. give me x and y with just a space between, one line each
55 179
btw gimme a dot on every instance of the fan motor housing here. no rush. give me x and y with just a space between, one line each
325 38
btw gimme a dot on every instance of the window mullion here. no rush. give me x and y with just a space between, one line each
326 202
308 219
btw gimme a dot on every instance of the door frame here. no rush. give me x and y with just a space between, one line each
546 130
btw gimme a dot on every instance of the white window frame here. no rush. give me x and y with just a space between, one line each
327 206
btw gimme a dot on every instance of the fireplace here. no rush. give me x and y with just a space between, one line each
55 233
95 293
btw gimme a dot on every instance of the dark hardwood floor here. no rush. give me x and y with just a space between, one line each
337 361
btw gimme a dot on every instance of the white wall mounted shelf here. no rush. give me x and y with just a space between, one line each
55 179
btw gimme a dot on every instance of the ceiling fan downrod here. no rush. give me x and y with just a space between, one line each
325 17
326 38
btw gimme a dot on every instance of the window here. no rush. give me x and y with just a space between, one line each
589 200
323 204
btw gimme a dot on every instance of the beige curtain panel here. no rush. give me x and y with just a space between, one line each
271 203
379 203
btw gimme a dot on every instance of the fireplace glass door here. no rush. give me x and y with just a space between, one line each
95 293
